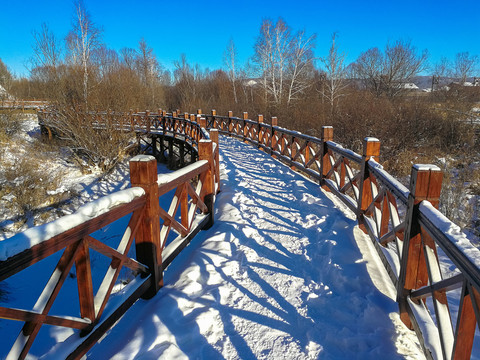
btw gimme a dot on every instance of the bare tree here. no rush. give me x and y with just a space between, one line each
368 68
336 72
301 64
401 64
129 56
107 61
441 70
46 50
282 60
186 81
148 68
464 65
82 40
271 54
389 71
229 59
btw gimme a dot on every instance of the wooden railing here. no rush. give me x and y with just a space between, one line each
411 236
159 233
189 128
22 104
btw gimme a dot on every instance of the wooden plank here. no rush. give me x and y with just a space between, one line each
44 303
466 324
170 221
84 281
197 169
106 287
36 317
449 284
112 253
180 243
108 322
184 207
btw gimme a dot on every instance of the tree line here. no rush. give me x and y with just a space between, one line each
282 78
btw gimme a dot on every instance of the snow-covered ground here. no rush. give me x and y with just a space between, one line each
282 274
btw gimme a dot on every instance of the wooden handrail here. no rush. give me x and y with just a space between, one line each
375 196
149 229
399 220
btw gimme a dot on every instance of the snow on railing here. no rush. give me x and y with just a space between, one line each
158 231
412 238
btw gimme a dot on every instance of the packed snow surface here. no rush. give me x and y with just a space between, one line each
283 273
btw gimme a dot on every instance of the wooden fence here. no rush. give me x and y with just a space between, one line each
405 226
23 104
158 234
411 236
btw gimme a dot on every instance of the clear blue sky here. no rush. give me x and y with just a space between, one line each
202 29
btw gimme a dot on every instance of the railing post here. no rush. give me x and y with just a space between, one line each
259 131
202 122
159 118
205 152
214 113
131 120
327 135
466 323
214 138
245 117
147 120
273 141
229 122
425 184
293 152
371 149
143 173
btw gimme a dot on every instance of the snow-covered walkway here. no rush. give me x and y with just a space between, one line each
284 273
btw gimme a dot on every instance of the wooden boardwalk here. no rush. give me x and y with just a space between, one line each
412 238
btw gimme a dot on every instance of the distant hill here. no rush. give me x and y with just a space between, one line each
425 82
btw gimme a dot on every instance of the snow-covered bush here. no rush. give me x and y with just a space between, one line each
26 185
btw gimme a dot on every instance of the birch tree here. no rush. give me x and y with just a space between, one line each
301 64
336 72
82 40
282 60
230 59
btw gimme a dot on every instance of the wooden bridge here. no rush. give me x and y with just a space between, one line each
23 104
404 225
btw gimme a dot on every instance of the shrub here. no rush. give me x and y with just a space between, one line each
27 183
10 123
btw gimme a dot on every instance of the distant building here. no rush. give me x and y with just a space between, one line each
410 86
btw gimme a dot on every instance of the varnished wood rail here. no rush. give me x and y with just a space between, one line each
157 232
22 104
409 232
